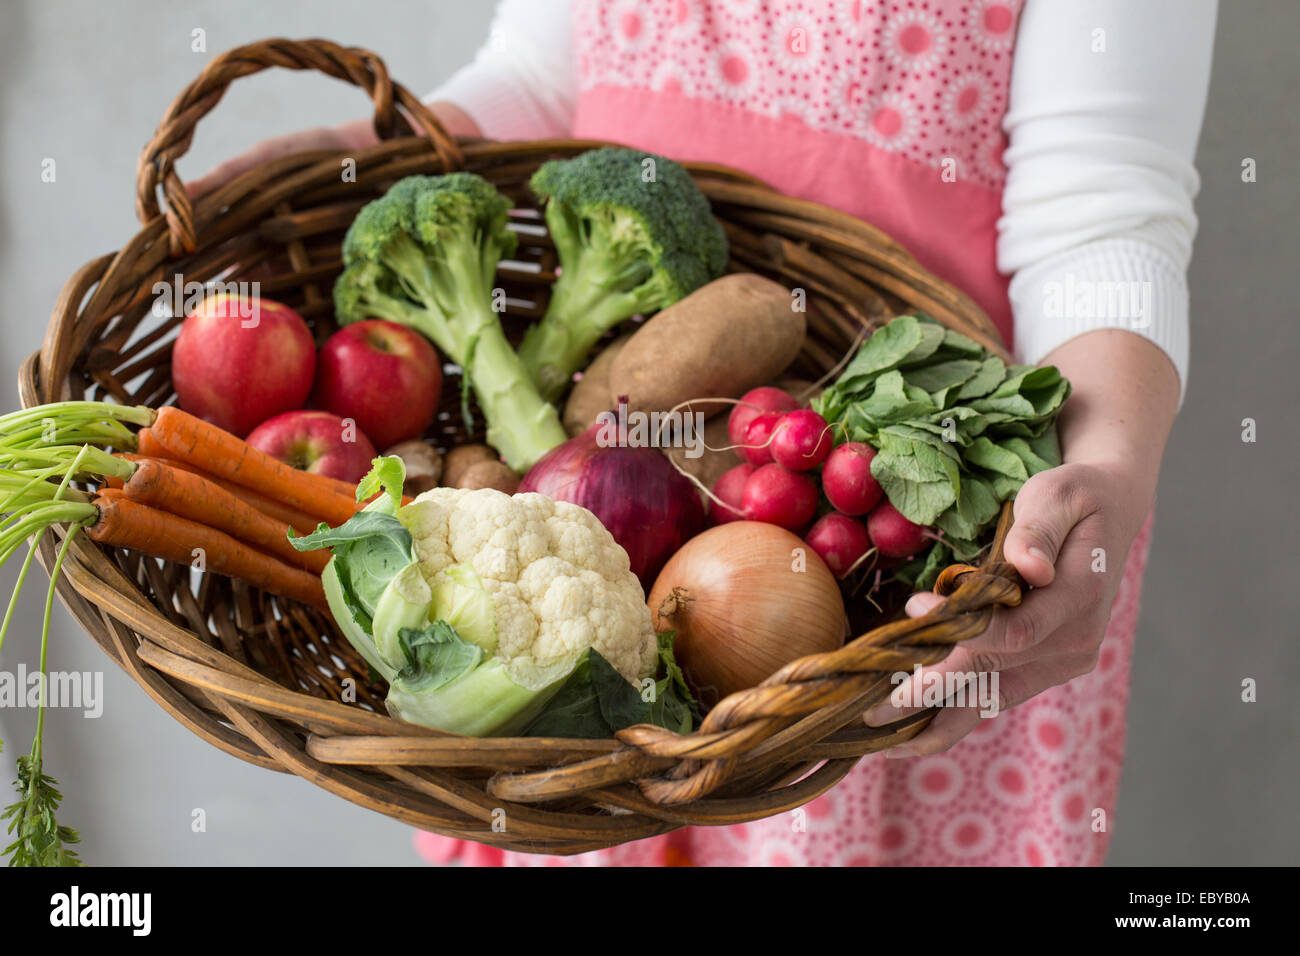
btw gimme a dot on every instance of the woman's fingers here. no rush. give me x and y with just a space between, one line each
1067 618
1015 686
323 137
966 667
922 603
1078 594
960 669
1081 592
1084 583
1047 508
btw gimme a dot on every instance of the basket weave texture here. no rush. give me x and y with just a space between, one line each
266 679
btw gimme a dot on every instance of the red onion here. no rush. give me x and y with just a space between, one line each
649 508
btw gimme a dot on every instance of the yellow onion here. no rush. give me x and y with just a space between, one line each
745 599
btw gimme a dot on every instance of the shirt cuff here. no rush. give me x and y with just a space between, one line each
1106 284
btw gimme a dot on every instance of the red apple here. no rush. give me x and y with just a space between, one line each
318 442
239 361
385 376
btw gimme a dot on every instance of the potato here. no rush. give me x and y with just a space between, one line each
590 396
710 465
734 334
460 458
489 474
423 465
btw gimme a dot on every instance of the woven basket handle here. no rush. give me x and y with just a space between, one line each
172 139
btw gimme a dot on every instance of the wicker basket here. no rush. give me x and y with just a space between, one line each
263 678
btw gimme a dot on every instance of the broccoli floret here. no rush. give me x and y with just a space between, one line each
425 255
634 234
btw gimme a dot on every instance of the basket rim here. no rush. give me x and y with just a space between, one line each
669 779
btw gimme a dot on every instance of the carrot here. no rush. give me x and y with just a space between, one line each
112 481
342 487
151 446
186 438
300 521
140 456
187 495
124 523
147 445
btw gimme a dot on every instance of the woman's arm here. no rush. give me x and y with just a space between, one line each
1097 228
355 134
1105 110
522 83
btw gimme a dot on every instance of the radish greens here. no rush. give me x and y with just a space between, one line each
957 430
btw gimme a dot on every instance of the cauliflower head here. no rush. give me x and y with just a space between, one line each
555 582
495 615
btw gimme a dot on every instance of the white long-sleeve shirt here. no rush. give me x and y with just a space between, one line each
1104 113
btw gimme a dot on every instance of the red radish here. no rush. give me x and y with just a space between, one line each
730 487
754 403
840 540
756 448
781 497
893 534
847 479
801 440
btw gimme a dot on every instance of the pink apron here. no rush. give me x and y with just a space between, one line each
890 111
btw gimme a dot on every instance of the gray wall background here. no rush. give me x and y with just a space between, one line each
1209 779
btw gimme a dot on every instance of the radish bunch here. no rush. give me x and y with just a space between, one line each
783 446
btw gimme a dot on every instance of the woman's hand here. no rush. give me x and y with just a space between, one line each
355 135
348 136
1074 525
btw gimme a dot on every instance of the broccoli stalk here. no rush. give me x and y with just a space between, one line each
633 234
425 255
